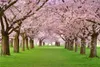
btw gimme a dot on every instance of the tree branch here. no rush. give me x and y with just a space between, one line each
92 21
6 7
6 22
14 28
2 25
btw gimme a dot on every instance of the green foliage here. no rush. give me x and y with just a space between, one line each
49 57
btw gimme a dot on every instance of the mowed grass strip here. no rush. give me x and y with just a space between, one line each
49 57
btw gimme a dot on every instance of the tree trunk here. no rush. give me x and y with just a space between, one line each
23 40
83 46
5 44
43 43
71 44
40 42
31 43
57 43
16 43
76 45
93 50
27 43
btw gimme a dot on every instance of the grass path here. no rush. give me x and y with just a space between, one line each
48 57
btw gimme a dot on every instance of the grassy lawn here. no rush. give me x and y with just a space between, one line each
49 57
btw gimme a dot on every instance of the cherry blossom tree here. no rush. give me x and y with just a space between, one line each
14 21
85 11
88 10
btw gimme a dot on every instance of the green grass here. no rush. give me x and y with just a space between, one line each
49 57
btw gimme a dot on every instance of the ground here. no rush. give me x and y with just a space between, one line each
49 57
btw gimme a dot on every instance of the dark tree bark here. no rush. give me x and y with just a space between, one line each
76 45
26 38
5 44
43 43
23 41
16 43
57 43
31 43
68 45
83 46
93 50
40 42
71 45
94 36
